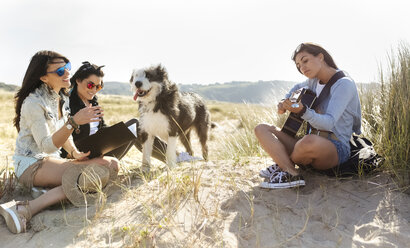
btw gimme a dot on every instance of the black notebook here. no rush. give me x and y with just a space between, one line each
106 140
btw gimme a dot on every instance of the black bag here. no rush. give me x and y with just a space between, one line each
363 159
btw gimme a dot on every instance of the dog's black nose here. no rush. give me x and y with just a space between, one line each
138 84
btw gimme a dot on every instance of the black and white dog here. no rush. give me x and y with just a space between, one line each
167 113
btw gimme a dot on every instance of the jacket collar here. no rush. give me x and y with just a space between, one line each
45 90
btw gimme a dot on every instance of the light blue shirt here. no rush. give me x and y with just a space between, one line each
340 113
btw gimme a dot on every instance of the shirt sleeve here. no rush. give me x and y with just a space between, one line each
37 123
341 94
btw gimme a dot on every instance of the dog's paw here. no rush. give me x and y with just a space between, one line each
145 168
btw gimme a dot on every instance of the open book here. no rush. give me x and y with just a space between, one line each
107 139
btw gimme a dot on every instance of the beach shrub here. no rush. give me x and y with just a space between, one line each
394 129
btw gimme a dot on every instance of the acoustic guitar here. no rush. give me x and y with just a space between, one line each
294 121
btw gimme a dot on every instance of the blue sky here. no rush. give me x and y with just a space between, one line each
201 41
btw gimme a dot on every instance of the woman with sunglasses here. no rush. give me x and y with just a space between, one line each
44 125
87 81
332 122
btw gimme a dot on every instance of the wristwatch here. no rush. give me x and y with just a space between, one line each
68 125
72 124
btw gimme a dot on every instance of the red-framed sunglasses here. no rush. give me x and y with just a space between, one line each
91 85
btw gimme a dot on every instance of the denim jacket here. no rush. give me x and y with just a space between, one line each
38 122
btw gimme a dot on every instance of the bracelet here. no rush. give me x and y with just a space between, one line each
75 125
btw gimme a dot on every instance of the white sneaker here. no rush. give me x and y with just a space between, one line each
185 157
37 191
283 180
269 171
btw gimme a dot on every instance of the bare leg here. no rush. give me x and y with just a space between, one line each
278 145
315 150
51 174
108 161
51 197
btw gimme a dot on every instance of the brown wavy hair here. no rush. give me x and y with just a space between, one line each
315 50
35 70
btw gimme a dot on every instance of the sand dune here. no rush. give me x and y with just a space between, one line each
219 204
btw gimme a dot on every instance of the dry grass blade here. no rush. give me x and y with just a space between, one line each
7 181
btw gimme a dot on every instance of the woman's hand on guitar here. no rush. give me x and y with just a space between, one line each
287 104
281 109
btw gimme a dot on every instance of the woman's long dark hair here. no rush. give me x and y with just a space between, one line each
86 70
35 70
315 50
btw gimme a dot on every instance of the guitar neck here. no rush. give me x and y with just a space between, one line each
294 122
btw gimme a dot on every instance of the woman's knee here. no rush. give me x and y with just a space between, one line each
302 148
108 161
306 143
113 163
261 129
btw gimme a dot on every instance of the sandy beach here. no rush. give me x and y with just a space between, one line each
219 204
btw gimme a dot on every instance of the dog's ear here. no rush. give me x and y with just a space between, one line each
162 72
132 78
157 74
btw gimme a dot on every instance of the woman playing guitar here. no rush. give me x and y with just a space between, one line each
331 122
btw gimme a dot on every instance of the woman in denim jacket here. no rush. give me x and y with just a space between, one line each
44 126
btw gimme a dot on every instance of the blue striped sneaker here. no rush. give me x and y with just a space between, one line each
283 180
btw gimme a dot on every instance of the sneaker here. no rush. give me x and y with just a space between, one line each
269 171
37 191
283 180
185 157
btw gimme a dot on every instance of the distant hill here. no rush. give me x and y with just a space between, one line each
261 92
8 87
116 88
250 92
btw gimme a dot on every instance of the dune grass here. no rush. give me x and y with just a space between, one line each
386 115
393 131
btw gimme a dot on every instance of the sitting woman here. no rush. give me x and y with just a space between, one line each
44 125
333 121
86 82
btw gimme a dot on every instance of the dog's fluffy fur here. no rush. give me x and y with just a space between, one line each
167 113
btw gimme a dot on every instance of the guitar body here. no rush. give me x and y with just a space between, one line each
293 123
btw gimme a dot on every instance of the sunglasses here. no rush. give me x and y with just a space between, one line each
91 85
60 71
